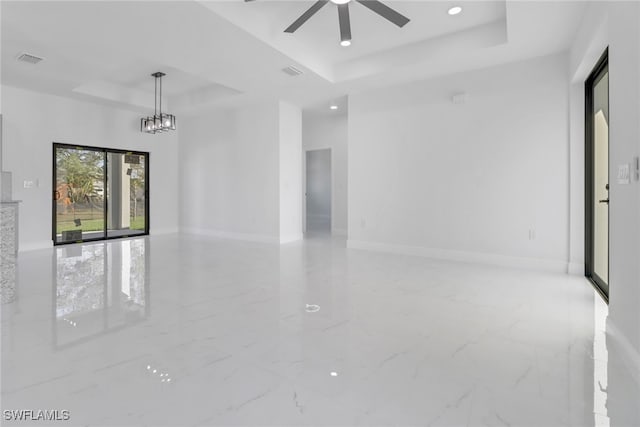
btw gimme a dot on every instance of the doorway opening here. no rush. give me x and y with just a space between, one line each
98 193
318 191
597 176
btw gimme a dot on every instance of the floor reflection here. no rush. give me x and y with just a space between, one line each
99 288
236 337
600 360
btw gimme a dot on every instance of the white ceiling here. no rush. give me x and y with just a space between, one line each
316 43
225 53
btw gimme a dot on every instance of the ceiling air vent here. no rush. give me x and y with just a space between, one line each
31 59
292 71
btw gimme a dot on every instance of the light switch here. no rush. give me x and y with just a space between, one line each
31 183
623 174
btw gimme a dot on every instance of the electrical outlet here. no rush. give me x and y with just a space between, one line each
29 184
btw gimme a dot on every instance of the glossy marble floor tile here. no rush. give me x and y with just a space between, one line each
188 331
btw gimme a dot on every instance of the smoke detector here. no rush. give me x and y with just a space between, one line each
29 58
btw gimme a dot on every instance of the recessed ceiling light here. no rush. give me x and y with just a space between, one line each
455 10
345 43
334 107
334 374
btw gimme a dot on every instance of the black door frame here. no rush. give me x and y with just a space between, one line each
104 150
598 72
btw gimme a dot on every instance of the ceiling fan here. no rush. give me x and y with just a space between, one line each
343 16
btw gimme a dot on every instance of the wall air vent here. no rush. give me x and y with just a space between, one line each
31 59
292 71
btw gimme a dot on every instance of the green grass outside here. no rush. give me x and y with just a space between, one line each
95 225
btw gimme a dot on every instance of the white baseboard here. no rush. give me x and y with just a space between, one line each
339 232
629 355
291 238
28 247
576 268
546 265
246 237
161 231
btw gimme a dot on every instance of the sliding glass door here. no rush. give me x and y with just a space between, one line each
98 193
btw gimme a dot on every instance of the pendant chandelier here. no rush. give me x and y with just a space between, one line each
160 122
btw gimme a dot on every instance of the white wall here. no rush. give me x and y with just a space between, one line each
229 181
239 170
290 173
322 130
616 25
33 121
318 180
465 181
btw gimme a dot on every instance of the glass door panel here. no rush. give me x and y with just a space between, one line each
126 194
78 194
597 176
601 178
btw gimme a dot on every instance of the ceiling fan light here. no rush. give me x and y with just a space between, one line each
345 43
340 1
454 10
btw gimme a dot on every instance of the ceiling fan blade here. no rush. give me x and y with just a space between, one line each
386 12
345 23
305 16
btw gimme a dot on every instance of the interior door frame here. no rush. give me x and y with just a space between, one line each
602 286
106 151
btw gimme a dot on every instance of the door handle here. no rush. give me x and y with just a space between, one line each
604 201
